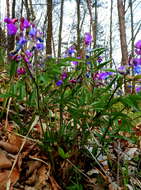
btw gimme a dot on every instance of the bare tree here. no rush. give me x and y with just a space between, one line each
32 11
93 22
111 33
7 8
132 40
78 26
49 28
10 39
122 29
26 4
60 28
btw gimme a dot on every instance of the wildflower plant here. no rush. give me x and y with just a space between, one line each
74 103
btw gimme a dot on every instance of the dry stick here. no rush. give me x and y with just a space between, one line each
79 170
98 163
28 138
118 163
38 159
14 163
8 108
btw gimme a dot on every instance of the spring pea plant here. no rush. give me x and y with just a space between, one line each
74 96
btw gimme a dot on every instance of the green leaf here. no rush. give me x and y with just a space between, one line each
103 64
62 153
13 68
6 95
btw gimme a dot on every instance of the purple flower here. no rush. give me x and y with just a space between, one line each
28 53
88 74
26 59
137 61
138 47
137 69
138 51
87 38
75 62
138 44
18 58
99 60
95 76
21 71
22 41
64 75
73 81
12 29
122 70
59 82
7 20
88 62
71 50
24 24
104 75
40 46
138 89
32 32
40 39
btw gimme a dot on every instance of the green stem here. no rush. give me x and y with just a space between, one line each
38 96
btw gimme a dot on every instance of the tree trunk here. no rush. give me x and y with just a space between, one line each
93 23
132 28
132 41
123 43
122 29
8 8
60 29
33 17
78 27
10 39
111 33
27 9
21 12
49 29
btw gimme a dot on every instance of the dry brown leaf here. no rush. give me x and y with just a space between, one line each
15 140
32 165
114 186
42 177
97 187
4 178
9 147
32 180
54 184
5 163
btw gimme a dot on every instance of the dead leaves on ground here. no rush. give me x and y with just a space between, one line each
30 171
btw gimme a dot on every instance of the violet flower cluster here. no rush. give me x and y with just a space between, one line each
28 42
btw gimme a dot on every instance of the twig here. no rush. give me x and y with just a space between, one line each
98 163
8 108
15 161
38 159
118 163
79 171
28 138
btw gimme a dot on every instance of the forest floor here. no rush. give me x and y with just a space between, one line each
25 166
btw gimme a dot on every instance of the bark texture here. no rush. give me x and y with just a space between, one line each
122 29
111 33
49 28
60 28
